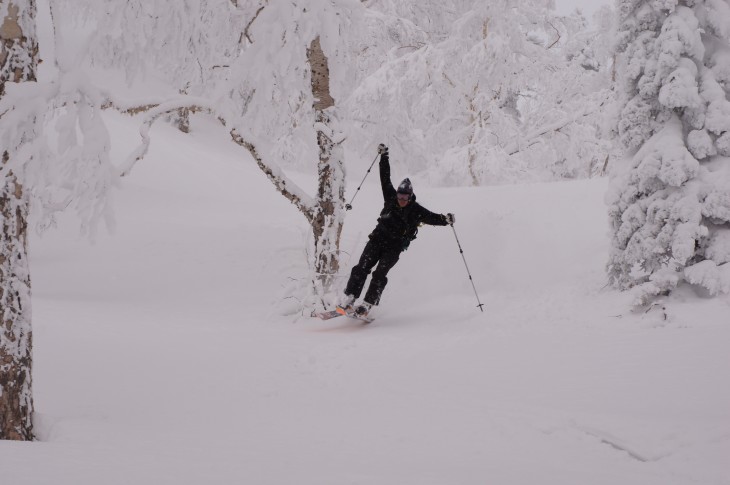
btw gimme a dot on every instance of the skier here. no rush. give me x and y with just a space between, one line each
397 227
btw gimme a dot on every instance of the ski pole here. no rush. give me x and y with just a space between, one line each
480 304
349 206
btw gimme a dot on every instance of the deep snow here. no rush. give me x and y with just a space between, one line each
162 355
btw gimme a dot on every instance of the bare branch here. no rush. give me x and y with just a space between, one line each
248 26
557 32
132 110
605 165
448 79
414 47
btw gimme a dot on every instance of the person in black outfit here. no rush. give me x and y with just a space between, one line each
397 227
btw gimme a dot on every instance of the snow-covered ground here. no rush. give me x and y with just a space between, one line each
162 355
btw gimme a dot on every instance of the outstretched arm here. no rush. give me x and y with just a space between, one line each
433 219
386 184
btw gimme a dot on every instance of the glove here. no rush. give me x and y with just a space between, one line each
382 149
450 219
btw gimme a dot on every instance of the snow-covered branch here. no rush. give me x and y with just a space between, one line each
283 185
533 137
153 113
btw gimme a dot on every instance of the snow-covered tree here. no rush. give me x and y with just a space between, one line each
289 63
18 62
670 204
186 44
55 155
457 88
525 102
495 95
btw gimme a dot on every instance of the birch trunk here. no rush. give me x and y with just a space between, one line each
325 212
328 217
18 61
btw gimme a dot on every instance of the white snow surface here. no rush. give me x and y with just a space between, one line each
161 355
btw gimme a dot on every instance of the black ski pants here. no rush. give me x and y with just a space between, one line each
381 251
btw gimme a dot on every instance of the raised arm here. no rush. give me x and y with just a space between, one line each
386 184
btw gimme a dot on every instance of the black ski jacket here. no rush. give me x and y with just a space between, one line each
398 226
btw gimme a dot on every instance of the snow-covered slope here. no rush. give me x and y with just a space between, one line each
162 355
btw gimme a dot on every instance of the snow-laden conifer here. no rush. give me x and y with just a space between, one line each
670 205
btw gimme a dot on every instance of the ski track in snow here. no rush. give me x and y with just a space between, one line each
162 356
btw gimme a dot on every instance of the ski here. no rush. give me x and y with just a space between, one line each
339 312
353 315
328 314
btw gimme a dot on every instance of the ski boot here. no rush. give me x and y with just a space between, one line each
362 310
345 305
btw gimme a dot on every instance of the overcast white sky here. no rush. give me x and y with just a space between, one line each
587 6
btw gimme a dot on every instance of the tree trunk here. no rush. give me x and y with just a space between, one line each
328 217
325 212
18 61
